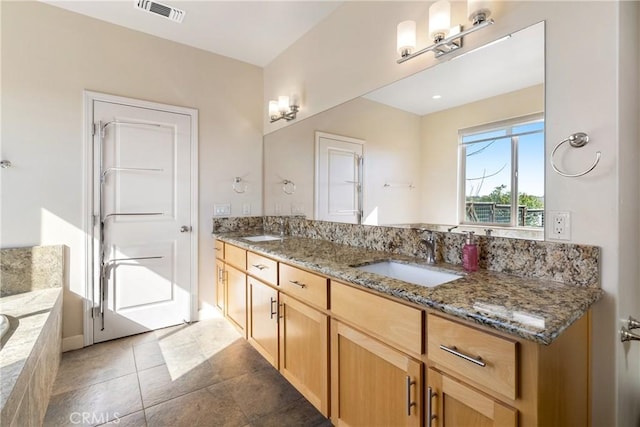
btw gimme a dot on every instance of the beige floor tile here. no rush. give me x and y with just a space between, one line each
236 359
295 414
261 393
206 407
148 355
95 364
96 404
137 419
157 385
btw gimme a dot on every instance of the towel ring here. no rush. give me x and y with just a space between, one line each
236 181
576 140
290 185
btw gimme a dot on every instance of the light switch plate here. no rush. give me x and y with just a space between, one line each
246 209
222 209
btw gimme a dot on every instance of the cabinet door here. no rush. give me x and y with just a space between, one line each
454 403
220 285
372 384
263 319
237 298
304 351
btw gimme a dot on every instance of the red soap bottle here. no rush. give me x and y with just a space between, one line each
470 254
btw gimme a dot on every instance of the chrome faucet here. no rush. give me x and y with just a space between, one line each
281 220
430 245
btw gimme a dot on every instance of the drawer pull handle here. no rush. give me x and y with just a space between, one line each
453 350
430 415
273 312
259 266
409 402
295 282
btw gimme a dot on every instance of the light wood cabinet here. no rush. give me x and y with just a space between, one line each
236 298
372 384
452 403
263 319
220 285
263 268
397 324
304 350
483 378
306 286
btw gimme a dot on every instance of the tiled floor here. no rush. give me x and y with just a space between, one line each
204 374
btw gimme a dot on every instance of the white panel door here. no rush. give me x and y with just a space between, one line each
338 189
142 187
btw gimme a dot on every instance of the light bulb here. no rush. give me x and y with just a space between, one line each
439 20
406 37
273 108
283 103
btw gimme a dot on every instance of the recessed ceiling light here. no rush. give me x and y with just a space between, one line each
436 97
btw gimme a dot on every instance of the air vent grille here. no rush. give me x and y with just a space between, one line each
168 12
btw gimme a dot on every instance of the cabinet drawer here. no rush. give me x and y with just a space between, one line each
392 321
303 285
263 268
235 256
219 249
474 348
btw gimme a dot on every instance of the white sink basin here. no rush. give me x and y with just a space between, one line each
262 238
415 274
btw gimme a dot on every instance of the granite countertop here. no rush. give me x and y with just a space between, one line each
533 309
31 310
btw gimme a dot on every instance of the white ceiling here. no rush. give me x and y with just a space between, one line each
506 66
250 31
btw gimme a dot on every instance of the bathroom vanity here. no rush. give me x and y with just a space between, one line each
484 349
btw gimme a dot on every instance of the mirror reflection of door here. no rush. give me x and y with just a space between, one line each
338 183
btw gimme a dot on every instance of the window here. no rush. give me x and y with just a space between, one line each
502 173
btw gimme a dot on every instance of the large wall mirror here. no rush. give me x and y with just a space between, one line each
458 144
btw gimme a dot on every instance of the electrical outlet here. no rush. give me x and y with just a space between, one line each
246 209
297 209
222 209
560 225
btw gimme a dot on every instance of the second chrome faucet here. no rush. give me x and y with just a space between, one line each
430 246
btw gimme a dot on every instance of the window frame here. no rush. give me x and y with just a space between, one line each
507 125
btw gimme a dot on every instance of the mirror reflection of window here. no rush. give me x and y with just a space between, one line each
502 173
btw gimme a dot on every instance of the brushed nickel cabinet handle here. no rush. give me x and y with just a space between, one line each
409 402
295 282
430 396
259 266
273 313
453 350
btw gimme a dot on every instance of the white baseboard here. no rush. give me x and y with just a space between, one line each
72 343
209 313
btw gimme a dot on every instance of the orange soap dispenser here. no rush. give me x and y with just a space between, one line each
470 253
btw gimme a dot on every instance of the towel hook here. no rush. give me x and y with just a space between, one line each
237 181
289 187
576 140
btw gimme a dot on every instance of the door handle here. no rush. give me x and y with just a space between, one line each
185 229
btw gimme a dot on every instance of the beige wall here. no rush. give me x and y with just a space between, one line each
353 52
440 151
49 56
391 155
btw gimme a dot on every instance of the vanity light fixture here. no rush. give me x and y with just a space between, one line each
446 39
284 108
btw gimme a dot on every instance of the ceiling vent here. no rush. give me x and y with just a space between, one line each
168 12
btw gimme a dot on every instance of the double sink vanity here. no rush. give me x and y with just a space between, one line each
349 330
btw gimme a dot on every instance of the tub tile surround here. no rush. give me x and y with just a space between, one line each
531 305
31 268
31 351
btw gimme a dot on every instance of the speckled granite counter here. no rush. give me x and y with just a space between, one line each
536 310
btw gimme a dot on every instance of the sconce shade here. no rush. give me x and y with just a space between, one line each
478 10
283 103
439 19
273 108
406 37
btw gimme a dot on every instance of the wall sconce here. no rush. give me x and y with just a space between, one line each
446 39
284 108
